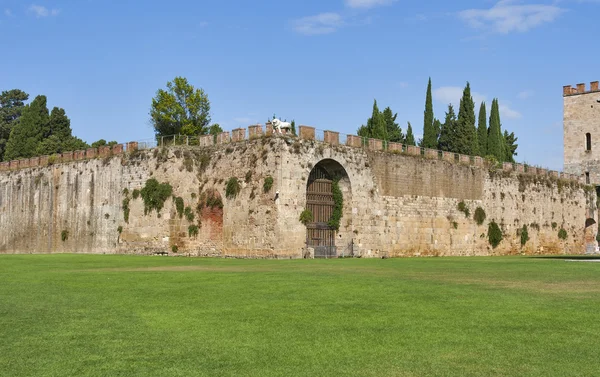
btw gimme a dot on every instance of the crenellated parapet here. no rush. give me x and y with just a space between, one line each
568 90
328 137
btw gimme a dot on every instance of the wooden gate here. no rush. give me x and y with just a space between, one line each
319 200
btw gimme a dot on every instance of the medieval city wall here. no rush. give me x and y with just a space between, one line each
399 202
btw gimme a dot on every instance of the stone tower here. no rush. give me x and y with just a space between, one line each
581 127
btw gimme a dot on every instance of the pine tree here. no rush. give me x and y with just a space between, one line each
394 132
448 131
429 132
293 128
495 142
466 133
25 136
482 130
437 126
12 103
410 138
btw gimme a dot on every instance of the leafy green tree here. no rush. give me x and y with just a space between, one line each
410 138
214 130
394 132
448 131
27 134
482 130
12 103
102 143
180 109
56 135
466 133
430 135
510 142
495 140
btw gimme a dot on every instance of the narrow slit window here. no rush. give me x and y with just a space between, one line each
587 178
588 141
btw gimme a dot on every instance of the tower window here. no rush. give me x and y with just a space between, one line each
588 141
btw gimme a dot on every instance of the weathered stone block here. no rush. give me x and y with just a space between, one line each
464 159
13 165
117 149
104 151
448 156
4 166
223 138
307 133
255 131
375 144
34 161
44 160
581 88
331 137
354 141
91 153
478 161
23 163
594 86
132 146
394 147
541 171
67 156
431 153
413 150
507 166
239 134
520 168
269 129
554 173
78 155
206 140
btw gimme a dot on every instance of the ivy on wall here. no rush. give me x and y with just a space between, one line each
338 206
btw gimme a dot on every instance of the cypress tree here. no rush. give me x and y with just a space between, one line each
482 130
394 132
511 146
429 133
410 138
27 134
376 124
12 103
448 131
466 133
495 140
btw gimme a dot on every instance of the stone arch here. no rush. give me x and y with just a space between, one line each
319 198
210 211
590 232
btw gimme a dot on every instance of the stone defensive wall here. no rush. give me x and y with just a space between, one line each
398 200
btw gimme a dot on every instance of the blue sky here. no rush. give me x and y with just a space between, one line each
319 62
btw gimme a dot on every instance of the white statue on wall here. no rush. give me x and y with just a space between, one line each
279 125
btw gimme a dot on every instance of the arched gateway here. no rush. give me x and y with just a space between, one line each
321 236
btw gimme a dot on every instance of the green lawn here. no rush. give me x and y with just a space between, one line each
88 315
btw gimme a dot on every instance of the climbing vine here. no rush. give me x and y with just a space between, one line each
494 234
306 216
338 206
154 195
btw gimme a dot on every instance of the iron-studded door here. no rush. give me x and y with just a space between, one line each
319 200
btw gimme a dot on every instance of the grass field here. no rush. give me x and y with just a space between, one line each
86 315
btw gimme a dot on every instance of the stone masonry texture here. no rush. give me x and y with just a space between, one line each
395 204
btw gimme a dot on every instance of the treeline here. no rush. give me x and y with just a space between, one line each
382 125
462 133
29 130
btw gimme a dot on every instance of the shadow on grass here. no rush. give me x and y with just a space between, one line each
571 257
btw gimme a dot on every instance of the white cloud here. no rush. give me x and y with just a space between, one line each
453 94
323 23
507 112
40 11
367 3
506 16
8 12
525 94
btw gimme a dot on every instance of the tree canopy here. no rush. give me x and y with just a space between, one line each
12 103
180 109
